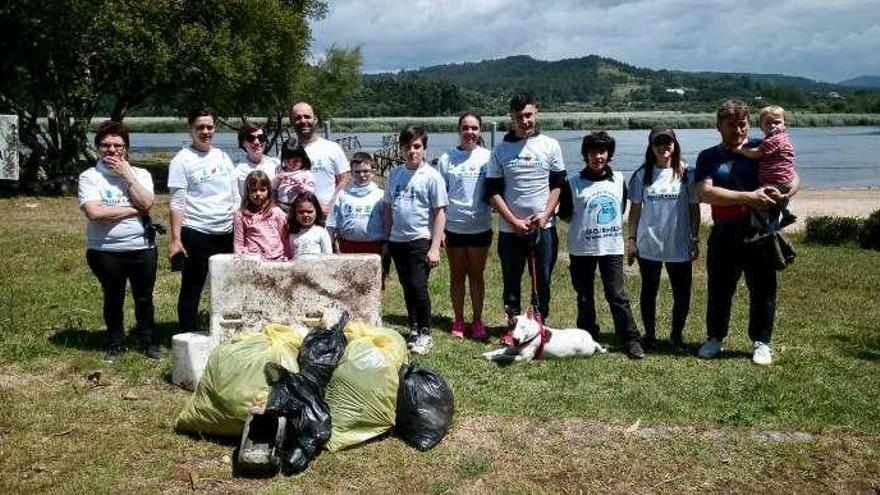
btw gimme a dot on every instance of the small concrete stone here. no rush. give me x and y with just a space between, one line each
189 355
247 293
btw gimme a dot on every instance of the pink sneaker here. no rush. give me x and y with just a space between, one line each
458 329
478 330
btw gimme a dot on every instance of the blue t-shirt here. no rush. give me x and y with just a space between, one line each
413 196
728 170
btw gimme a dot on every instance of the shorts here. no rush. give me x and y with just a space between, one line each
483 239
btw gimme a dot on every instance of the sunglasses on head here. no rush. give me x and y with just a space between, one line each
256 137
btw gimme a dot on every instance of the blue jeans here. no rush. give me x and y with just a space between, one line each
727 259
583 274
513 252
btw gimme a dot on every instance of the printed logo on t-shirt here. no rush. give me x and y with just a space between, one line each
321 164
404 193
524 161
666 192
470 171
112 197
207 174
603 209
350 211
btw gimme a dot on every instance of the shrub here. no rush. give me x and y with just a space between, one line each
833 230
869 237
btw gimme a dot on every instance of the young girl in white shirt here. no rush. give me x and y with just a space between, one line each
306 225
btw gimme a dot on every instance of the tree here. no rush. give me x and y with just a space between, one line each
64 57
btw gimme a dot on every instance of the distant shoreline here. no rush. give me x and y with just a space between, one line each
550 121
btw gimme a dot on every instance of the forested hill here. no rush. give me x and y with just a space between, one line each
590 83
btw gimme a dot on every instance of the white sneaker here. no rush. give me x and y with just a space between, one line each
422 344
762 355
710 349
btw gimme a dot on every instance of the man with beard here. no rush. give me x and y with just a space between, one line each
329 163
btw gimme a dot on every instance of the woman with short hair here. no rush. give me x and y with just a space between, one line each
116 198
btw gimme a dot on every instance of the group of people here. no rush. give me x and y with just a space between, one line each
313 201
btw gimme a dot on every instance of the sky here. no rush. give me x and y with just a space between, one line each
825 40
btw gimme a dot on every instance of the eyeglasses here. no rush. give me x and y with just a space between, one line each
107 146
256 137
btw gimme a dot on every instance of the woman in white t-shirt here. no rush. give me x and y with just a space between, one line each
468 223
664 227
121 248
204 199
252 139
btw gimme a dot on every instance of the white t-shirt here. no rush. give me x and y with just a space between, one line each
525 166
211 189
597 220
357 214
328 161
313 240
664 231
245 167
413 196
100 184
465 174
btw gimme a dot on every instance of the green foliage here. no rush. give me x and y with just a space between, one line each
595 83
869 238
832 230
72 57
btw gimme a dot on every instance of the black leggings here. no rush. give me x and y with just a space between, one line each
680 277
199 248
411 263
114 270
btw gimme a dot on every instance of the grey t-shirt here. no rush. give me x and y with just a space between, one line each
525 166
413 196
664 230
465 174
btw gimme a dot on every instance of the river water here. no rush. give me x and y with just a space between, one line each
827 157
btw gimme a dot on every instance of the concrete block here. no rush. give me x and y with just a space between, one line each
248 292
189 355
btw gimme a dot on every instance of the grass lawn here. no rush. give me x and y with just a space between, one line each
668 423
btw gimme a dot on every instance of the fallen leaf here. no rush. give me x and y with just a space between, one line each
129 395
193 479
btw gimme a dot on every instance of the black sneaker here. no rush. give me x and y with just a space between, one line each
152 352
634 350
676 340
787 220
113 354
649 342
410 338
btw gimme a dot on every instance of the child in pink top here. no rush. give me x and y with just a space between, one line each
293 176
259 226
776 159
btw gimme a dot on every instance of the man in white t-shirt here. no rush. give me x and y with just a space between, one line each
329 163
524 178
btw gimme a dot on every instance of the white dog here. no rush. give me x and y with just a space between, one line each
532 340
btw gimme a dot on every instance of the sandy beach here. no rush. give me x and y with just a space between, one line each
827 202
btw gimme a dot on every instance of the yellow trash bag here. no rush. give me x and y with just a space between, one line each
234 381
362 395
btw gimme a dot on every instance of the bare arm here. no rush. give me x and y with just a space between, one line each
97 212
720 196
342 181
540 219
437 235
753 153
632 228
520 226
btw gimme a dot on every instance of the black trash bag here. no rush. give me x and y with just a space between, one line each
321 351
425 406
297 397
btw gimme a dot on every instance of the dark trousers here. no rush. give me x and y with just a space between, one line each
727 259
680 277
199 248
411 263
114 270
583 273
513 252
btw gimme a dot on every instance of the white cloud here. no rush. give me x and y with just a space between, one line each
824 40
